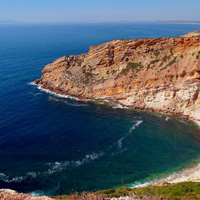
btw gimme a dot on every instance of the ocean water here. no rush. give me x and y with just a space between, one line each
52 145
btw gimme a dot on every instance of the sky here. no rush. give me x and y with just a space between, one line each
47 11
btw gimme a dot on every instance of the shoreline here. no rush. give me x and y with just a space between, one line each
186 118
188 174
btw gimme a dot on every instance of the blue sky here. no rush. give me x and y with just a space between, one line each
99 10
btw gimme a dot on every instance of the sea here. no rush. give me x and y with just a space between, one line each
52 144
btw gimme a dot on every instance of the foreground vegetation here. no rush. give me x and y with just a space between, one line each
179 191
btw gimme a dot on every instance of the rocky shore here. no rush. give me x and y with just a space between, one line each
161 74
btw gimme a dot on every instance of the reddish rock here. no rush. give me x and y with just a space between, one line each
160 74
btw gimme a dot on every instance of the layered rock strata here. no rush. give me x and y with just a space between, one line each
161 74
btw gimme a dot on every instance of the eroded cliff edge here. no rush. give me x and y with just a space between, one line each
161 74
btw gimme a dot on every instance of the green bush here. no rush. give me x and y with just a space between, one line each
68 72
130 66
171 50
154 61
171 62
164 58
156 54
88 74
191 73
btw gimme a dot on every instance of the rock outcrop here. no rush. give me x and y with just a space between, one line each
6 194
161 74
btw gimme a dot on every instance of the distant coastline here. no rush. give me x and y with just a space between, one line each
101 21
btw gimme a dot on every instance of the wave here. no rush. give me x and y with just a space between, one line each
119 142
59 166
7 179
53 168
135 125
73 104
53 93
186 175
101 101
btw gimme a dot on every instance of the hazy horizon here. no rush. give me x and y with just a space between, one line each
62 11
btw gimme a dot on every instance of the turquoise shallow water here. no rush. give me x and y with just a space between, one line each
51 145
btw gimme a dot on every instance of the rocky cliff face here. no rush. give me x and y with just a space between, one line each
160 74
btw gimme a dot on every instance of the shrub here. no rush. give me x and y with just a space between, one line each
191 73
171 50
164 58
197 57
154 61
156 54
68 72
113 71
79 63
89 74
171 62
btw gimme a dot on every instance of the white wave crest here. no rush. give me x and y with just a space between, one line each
135 125
119 142
53 93
7 179
54 168
59 166
185 175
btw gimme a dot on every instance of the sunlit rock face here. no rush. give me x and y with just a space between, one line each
161 74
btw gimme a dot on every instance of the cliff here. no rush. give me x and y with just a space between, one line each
161 74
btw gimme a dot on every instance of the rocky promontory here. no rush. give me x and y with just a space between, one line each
161 74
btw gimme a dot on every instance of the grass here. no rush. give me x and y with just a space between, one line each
185 190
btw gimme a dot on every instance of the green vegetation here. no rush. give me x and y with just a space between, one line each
184 72
79 63
171 62
68 72
191 73
197 57
86 81
88 74
164 58
181 56
171 50
198 52
130 67
193 54
154 61
185 190
113 72
84 67
156 54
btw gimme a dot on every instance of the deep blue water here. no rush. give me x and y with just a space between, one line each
51 145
